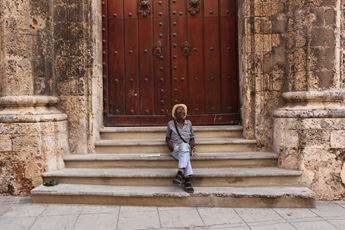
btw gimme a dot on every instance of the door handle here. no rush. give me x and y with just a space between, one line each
186 46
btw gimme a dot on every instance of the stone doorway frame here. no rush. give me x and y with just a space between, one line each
258 43
97 95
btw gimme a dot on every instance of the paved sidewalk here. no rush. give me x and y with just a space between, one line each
19 213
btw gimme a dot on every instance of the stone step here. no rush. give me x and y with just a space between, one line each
265 176
222 131
164 160
159 146
240 197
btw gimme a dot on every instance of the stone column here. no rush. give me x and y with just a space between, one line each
33 133
309 131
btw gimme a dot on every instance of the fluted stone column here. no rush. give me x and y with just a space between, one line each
33 133
309 131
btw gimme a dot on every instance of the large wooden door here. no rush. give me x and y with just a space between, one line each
161 52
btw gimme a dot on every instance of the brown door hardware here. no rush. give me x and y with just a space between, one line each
194 6
186 48
144 7
158 50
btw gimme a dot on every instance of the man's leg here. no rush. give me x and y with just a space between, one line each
182 154
184 163
188 171
179 176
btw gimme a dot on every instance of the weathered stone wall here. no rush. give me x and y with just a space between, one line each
33 133
309 130
79 86
16 34
296 46
263 64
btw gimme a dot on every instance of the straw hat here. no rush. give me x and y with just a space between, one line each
175 107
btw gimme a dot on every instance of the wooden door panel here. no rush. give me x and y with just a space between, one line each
161 66
196 79
131 90
178 60
212 64
229 60
116 66
146 81
114 10
147 69
130 9
211 8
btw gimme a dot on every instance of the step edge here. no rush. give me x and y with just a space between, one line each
160 174
167 156
302 191
144 142
154 129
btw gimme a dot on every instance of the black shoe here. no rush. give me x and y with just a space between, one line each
178 178
188 187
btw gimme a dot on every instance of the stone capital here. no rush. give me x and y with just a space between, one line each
27 109
312 104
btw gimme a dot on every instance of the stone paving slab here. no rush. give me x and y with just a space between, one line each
17 213
65 222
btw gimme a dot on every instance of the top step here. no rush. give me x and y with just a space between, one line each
158 132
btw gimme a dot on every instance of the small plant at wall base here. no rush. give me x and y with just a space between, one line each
50 182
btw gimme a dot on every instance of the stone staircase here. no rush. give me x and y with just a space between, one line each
131 166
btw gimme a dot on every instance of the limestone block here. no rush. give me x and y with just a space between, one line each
315 138
26 142
285 134
5 143
289 158
338 139
326 123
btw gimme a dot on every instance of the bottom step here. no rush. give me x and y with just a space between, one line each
253 197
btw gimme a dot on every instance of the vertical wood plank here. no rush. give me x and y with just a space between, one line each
179 61
116 67
146 76
162 63
131 58
196 81
115 9
105 60
212 56
229 57
115 53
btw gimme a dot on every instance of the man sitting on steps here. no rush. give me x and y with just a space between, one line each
180 141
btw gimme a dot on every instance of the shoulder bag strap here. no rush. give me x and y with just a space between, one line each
179 133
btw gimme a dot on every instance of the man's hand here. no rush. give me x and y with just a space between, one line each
169 144
192 143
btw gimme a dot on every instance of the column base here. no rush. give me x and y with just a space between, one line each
309 134
33 139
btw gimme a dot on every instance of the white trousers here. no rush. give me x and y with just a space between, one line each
181 153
